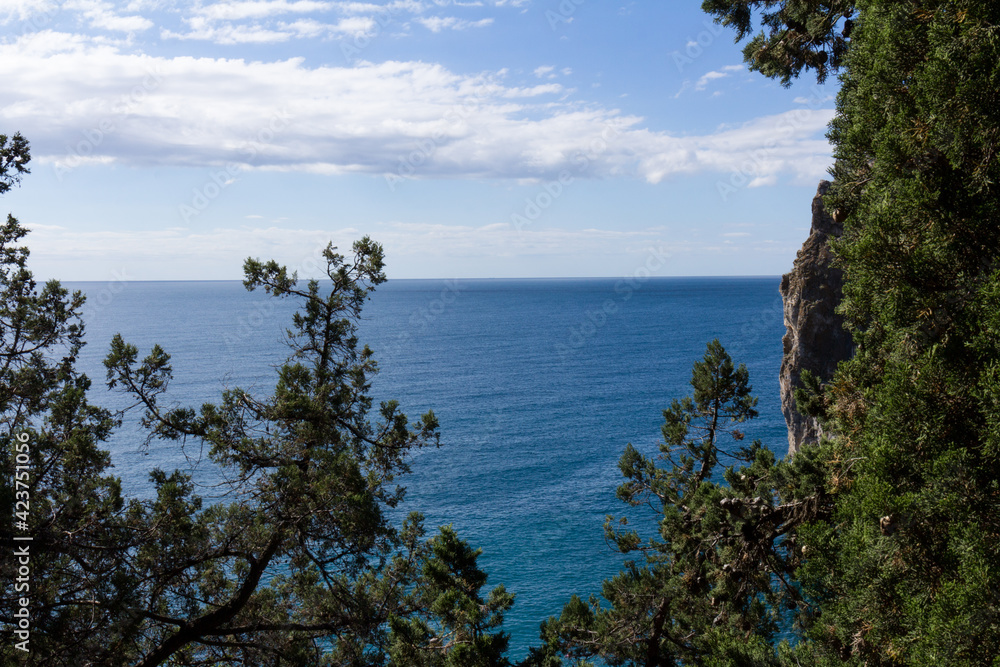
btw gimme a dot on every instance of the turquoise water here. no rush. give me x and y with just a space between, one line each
538 385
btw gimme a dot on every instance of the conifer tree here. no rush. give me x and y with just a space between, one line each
916 137
905 569
55 489
715 582
794 34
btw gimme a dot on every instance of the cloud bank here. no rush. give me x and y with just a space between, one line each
102 103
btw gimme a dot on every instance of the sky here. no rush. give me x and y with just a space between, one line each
477 139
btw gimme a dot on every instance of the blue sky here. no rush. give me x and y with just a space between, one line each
486 138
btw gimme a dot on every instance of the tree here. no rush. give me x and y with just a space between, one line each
49 435
907 565
916 139
714 580
292 561
795 34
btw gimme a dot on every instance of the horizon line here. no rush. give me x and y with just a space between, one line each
388 280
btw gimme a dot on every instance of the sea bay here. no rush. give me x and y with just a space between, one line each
537 384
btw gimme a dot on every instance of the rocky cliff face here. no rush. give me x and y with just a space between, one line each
816 339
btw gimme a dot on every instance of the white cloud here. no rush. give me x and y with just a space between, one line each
355 25
815 100
763 180
78 100
439 23
258 21
544 70
395 7
23 10
235 11
704 80
101 15
709 76
228 33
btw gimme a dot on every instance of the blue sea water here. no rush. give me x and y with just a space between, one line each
538 386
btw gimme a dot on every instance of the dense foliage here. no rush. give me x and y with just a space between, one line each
894 558
917 566
794 35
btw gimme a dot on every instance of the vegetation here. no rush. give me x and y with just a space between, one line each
891 554
794 35
716 581
879 546
915 574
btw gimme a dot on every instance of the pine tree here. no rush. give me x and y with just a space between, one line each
916 138
794 35
715 582
905 569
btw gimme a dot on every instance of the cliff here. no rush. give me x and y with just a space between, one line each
815 339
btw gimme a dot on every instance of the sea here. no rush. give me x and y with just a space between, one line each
538 385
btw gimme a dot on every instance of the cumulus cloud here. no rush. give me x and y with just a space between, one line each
439 23
717 74
258 9
399 119
102 15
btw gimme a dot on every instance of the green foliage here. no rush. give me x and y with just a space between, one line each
15 154
717 580
459 633
911 568
811 398
74 511
905 569
795 34
309 477
878 547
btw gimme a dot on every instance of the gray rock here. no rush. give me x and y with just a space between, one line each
816 339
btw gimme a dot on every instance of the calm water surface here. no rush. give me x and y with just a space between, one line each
538 385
